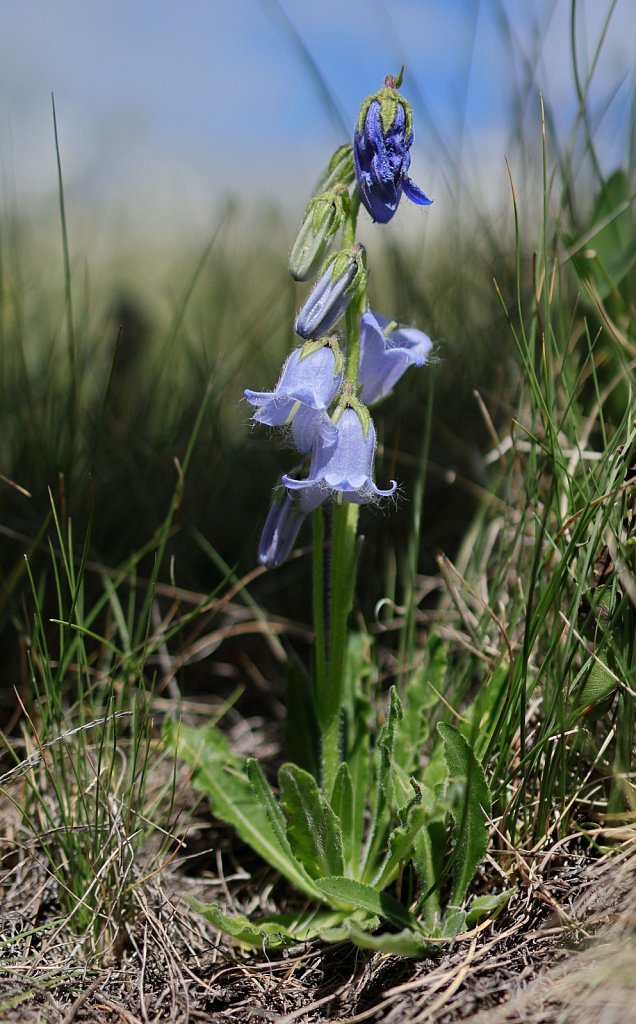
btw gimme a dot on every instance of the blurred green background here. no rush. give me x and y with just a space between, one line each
188 146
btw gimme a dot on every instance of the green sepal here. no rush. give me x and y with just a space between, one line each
340 262
323 216
340 169
349 401
389 99
329 341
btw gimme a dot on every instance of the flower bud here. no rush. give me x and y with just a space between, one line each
381 151
323 216
344 274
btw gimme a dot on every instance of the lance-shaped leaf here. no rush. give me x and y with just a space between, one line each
279 929
234 799
470 834
401 839
313 830
359 896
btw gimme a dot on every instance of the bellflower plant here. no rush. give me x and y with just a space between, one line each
381 152
355 811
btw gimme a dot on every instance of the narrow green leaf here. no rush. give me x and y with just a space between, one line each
487 905
387 743
216 771
401 841
608 253
342 804
453 923
313 830
387 787
470 834
356 894
599 685
357 733
263 793
429 851
239 927
404 943
421 694
278 929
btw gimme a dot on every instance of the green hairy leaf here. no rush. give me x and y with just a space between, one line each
364 897
470 834
234 799
313 830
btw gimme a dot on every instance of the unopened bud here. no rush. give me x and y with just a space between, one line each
344 274
323 216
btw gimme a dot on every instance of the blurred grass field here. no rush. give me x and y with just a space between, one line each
136 489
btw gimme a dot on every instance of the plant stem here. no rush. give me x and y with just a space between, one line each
318 599
342 578
330 681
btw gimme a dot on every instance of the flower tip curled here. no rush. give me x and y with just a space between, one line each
345 469
386 352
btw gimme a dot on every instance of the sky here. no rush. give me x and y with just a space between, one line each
167 107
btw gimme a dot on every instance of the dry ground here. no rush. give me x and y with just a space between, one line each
563 950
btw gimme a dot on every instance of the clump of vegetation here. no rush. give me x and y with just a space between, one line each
466 739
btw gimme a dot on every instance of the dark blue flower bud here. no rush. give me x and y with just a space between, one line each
381 152
283 522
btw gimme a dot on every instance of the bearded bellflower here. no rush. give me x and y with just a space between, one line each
309 381
345 469
327 301
386 352
381 152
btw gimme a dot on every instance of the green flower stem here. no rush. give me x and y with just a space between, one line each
330 687
349 229
342 579
318 598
